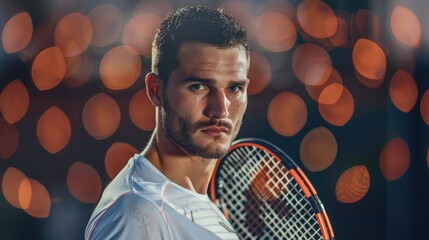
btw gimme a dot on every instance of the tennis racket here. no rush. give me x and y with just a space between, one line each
265 195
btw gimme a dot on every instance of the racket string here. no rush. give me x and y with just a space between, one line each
273 205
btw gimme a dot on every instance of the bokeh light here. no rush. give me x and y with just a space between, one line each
101 116
107 22
369 60
405 26
139 32
394 159
120 67
82 74
14 101
318 149
84 182
424 107
316 18
275 32
11 181
311 64
331 94
259 73
341 38
53 130
17 32
287 114
333 85
242 12
262 185
73 34
353 184
403 90
117 156
142 111
49 68
339 113
34 198
366 24
9 139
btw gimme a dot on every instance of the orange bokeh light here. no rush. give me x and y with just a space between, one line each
259 73
120 67
287 114
317 18
366 24
107 21
84 182
318 149
117 156
73 65
53 130
341 38
242 12
424 107
353 184
14 101
394 159
311 64
339 113
275 32
73 34
334 85
139 31
11 182
403 91
9 139
17 32
369 59
405 26
34 199
48 69
83 73
101 116
142 111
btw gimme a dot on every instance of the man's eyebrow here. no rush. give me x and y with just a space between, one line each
243 82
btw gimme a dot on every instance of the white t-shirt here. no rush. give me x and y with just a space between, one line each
141 203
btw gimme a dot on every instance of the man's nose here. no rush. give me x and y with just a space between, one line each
217 105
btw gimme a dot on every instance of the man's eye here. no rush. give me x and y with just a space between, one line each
197 87
235 88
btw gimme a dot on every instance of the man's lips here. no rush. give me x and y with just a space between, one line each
215 130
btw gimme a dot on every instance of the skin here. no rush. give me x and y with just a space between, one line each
199 112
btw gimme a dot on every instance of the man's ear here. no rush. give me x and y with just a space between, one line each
154 88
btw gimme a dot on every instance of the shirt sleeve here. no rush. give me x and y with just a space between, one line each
130 217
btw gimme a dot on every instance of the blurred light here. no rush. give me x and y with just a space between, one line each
73 34
403 91
14 101
318 149
242 13
73 65
352 185
84 183
34 198
262 187
405 26
158 7
287 114
11 181
369 60
366 24
9 139
334 83
101 116
317 18
259 73
83 74
142 111
139 32
341 38
48 69
338 114
311 64
117 157
394 159
17 32
53 130
424 107
120 67
275 32
107 22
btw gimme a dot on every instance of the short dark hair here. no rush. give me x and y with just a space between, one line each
193 24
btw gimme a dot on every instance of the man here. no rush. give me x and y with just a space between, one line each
198 83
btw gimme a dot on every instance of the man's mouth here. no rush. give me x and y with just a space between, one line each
215 130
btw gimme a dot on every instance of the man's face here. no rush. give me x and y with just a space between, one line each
205 98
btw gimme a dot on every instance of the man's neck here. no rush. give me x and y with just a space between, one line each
189 171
